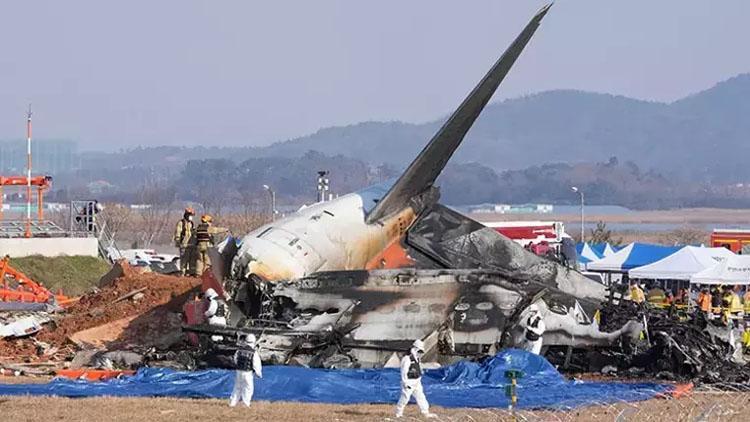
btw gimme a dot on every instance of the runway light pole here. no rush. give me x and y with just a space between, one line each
273 201
583 230
28 173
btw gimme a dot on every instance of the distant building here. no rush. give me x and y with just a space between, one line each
99 186
512 209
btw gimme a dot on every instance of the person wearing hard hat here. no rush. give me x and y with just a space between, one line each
636 293
204 236
411 381
183 234
735 307
704 302
247 361
534 328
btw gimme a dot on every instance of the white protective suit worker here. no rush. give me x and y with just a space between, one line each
411 381
247 362
534 330
216 312
217 309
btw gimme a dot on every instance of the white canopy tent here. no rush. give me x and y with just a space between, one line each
608 250
733 271
682 264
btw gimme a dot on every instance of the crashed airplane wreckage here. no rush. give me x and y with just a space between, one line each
353 280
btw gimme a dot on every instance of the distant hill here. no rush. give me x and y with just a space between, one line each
703 137
640 154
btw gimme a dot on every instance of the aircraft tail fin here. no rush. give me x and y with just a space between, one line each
422 172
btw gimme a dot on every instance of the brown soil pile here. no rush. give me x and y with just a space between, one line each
156 314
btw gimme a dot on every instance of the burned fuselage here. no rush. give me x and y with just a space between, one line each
366 274
378 312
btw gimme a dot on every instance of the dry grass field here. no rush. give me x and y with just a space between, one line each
698 406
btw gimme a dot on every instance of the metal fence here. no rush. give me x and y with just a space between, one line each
726 402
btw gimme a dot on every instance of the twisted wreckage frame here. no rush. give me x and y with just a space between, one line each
352 281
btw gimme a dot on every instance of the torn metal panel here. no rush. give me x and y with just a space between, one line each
476 309
22 325
453 240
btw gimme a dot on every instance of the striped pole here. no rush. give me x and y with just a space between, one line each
28 172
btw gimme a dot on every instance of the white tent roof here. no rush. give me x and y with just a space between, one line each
632 256
682 264
589 253
734 270
609 250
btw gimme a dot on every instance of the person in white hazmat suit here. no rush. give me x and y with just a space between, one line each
534 330
217 309
216 312
247 362
411 381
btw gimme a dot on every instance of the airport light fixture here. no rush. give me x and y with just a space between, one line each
273 201
583 220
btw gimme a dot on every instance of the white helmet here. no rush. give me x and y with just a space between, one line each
211 294
250 340
418 345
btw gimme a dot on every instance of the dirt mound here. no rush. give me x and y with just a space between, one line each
155 314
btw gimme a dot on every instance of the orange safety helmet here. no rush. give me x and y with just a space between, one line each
189 211
206 218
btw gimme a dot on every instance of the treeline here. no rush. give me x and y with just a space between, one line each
223 184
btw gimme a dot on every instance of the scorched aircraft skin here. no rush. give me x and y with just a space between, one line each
360 277
345 234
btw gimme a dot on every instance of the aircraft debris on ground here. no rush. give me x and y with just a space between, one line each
354 280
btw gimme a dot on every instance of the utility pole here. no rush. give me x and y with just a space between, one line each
28 173
273 201
323 185
583 220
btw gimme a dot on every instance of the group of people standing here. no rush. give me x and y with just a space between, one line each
193 242
725 302
248 366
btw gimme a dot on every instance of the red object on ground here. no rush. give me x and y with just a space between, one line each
25 289
734 240
679 390
91 374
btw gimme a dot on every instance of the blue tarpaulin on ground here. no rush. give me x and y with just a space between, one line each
464 384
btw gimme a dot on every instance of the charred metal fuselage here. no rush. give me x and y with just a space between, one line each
369 272
369 315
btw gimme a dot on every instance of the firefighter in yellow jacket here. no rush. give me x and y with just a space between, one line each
204 236
182 238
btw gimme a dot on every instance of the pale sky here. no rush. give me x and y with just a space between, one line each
188 72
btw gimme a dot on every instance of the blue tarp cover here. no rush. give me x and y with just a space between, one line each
464 384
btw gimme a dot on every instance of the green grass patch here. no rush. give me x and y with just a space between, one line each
75 275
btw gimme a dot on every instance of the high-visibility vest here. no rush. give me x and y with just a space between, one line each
202 233
656 296
704 301
636 294
735 305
